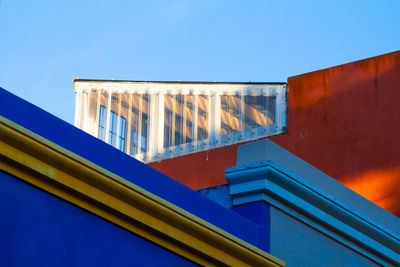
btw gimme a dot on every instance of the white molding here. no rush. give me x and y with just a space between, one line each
97 117
108 114
77 121
157 87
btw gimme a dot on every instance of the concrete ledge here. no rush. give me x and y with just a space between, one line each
279 187
265 149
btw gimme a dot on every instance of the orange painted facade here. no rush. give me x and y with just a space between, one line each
344 120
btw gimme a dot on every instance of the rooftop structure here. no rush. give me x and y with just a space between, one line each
334 119
344 120
60 185
152 121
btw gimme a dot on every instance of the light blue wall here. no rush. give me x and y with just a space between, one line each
264 150
314 220
300 245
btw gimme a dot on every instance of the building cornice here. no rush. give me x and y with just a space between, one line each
155 87
64 174
269 182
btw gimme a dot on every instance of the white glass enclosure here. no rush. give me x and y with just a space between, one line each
152 121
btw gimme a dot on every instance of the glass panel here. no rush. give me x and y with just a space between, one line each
230 114
271 109
259 111
135 124
122 134
189 118
139 123
168 114
102 122
202 116
112 133
175 128
143 136
112 136
102 116
249 112
145 122
186 119
178 120
123 121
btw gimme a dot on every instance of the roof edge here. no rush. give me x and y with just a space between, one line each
178 82
284 190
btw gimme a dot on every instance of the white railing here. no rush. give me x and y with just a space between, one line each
153 121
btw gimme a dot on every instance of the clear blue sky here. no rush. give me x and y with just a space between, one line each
45 44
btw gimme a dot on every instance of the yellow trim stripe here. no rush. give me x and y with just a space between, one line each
58 171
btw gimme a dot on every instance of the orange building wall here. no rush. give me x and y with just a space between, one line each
344 120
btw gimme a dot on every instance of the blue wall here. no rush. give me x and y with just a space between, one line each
106 156
257 212
39 229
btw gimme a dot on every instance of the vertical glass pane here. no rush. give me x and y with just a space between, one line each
134 124
168 109
102 122
259 111
113 128
175 128
271 109
122 134
143 136
202 116
249 112
189 109
103 116
113 119
234 111
145 122
178 119
230 114
225 115
124 108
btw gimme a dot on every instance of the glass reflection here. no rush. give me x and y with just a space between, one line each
202 117
124 120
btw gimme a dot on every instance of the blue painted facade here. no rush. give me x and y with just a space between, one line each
111 159
255 211
38 229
